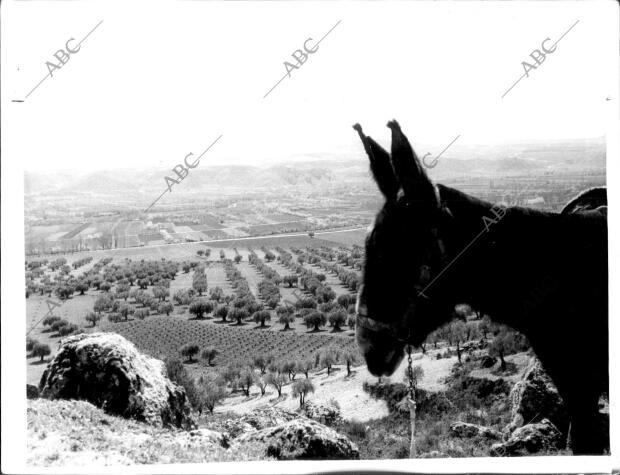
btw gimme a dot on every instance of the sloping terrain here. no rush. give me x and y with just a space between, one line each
76 433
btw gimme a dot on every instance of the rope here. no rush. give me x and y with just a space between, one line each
411 403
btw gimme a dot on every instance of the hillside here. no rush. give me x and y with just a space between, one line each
472 160
76 433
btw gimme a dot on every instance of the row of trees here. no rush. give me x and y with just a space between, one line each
263 371
463 332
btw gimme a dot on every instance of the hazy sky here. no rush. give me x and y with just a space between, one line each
158 80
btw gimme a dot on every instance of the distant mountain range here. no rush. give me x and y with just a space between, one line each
457 163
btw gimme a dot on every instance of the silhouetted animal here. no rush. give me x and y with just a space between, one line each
544 274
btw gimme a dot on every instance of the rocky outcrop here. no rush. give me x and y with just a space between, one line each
530 439
467 430
535 398
325 413
301 439
108 371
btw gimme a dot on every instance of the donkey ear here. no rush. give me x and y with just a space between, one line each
380 166
409 170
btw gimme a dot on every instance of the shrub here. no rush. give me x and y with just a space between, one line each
68 329
49 321
58 324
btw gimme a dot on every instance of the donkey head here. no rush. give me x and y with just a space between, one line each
404 252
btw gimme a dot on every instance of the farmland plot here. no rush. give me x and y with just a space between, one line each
163 337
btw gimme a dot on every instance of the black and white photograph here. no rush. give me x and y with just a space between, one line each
310 237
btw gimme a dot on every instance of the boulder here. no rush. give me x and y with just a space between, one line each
108 371
530 439
467 430
325 413
301 439
32 392
535 398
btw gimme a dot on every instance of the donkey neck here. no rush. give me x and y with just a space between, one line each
514 258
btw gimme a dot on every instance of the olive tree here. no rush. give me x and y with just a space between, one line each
337 319
210 393
41 350
285 316
302 388
92 317
208 354
261 317
199 307
165 307
190 350
277 380
328 357
315 320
